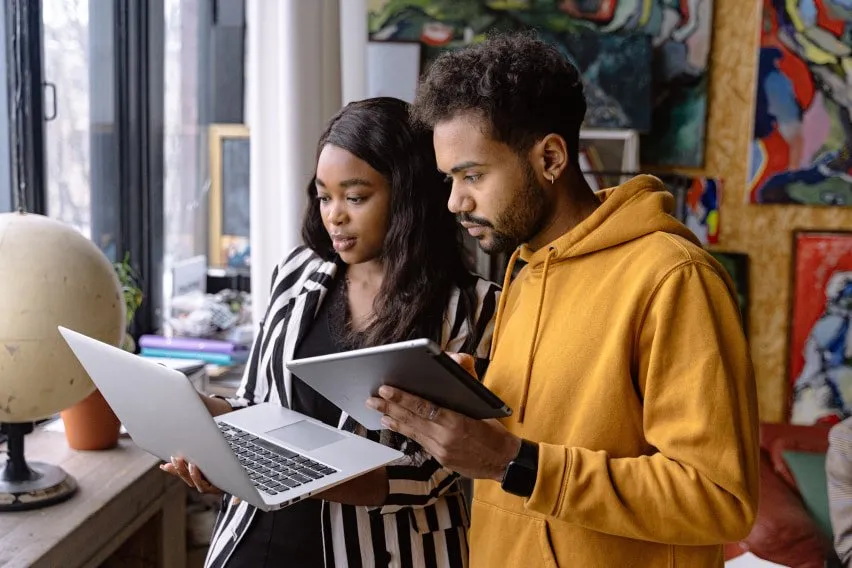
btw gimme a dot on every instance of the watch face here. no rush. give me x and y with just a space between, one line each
519 479
522 471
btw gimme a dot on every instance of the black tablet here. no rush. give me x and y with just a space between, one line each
418 366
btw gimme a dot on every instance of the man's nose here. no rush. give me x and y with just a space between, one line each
460 201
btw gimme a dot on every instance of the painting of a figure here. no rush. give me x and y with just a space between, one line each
801 151
676 32
820 339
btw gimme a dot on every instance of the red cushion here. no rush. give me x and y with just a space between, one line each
783 532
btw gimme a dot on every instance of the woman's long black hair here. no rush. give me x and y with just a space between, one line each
422 253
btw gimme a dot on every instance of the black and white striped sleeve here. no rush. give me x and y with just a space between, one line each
287 280
418 480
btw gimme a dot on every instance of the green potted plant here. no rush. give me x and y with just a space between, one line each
129 280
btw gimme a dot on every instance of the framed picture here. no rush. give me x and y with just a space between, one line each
230 203
820 343
393 69
736 264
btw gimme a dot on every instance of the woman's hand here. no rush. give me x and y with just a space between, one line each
191 475
465 361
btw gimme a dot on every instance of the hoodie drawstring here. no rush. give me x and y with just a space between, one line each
507 279
525 393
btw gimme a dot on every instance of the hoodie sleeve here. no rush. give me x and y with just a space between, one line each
692 368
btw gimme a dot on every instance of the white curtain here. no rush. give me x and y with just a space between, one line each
293 86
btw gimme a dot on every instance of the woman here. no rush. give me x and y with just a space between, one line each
382 263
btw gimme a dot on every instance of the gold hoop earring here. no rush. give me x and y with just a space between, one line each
552 178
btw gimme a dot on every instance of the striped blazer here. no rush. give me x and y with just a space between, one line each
424 520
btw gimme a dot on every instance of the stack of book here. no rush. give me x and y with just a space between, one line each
211 351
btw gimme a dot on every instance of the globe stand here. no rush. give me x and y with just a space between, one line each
29 485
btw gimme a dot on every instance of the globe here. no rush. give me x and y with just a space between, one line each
50 275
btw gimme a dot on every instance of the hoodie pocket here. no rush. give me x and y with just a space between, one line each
500 537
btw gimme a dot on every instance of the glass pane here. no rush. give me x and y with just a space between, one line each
185 142
6 202
81 141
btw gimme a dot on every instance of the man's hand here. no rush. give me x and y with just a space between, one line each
479 449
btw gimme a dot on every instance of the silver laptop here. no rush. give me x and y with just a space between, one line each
266 455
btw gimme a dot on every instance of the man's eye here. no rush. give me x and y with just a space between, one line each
472 178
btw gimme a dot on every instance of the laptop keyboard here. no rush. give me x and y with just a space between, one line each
273 469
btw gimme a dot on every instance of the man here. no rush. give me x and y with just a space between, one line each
619 345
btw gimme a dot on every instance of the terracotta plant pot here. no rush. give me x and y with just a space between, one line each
91 424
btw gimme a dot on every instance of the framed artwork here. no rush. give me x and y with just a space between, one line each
230 202
801 148
736 264
820 343
697 201
393 69
644 63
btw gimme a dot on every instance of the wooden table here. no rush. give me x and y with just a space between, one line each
126 512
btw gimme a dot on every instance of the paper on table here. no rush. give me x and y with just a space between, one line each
749 560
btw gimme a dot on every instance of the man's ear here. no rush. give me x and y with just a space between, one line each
550 157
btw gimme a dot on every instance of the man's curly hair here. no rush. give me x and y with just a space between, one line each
523 88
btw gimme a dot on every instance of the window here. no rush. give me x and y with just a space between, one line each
185 161
81 137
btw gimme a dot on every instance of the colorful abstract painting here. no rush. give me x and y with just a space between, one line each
801 152
678 31
697 204
820 357
617 87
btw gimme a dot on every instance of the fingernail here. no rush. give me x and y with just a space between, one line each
371 404
387 422
384 391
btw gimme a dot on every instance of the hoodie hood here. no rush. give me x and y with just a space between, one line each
639 207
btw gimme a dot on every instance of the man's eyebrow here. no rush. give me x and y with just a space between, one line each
462 166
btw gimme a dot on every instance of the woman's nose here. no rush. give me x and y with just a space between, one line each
336 215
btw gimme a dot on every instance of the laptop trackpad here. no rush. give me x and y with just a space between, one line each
305 435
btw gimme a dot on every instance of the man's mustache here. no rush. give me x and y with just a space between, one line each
471 219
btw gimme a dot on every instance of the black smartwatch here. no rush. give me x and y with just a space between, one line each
520 474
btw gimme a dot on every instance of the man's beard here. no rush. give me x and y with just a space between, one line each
519 222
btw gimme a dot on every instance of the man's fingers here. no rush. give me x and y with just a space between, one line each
413 404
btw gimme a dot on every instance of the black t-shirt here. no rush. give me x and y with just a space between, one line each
293 535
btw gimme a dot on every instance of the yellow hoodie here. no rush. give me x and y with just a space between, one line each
619 346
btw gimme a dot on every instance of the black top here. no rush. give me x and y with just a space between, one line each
293 535
319 340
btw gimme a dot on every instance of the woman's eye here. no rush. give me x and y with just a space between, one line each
355 199
323 198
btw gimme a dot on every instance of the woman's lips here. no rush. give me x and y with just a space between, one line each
342 244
